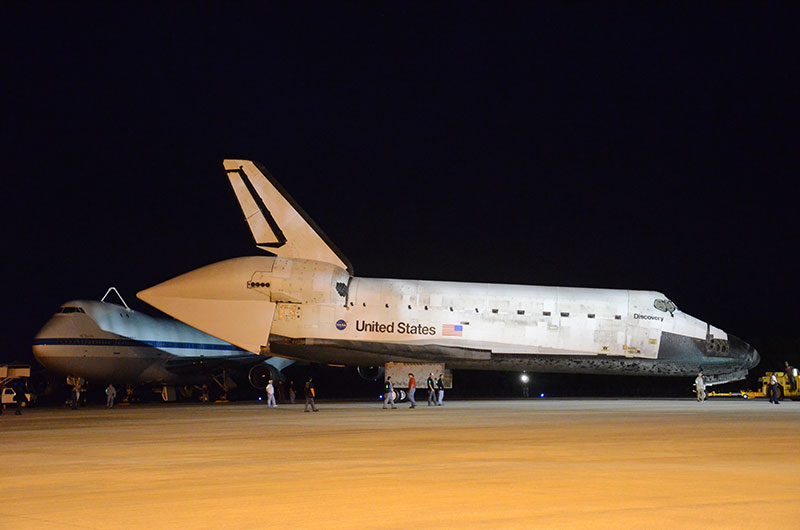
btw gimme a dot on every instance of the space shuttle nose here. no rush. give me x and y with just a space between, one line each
215 299
755 359
744 352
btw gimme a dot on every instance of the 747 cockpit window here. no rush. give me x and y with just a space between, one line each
69 309
667 306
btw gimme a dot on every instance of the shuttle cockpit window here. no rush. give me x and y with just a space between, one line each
667 306
70 309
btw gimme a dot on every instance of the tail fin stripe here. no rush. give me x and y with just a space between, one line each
281 239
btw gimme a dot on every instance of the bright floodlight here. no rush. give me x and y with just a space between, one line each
525 378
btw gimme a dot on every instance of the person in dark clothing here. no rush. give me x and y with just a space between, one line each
790 372
388 394
21 398
309 391
440 388
431 391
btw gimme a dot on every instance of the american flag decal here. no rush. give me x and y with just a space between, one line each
450 330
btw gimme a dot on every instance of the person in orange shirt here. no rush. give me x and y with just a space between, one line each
412 387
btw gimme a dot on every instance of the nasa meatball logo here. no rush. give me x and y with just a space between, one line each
341 324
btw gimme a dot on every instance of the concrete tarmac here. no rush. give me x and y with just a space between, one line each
469 464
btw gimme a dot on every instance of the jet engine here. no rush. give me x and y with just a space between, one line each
370 373
260 374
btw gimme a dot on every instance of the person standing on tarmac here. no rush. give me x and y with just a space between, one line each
440 388
412 387
19 395
773 389
111 393
700 387
431 390
789 370
75 396
271 395
388 394
309 391
292 393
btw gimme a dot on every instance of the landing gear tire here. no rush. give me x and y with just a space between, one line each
186 392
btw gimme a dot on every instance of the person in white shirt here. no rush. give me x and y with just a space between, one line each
773 389
271 395
700 387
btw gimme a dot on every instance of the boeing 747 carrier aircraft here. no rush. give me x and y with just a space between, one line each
304 302
104 342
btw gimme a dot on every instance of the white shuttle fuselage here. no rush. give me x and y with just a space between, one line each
305 303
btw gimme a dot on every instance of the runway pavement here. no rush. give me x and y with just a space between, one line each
469 464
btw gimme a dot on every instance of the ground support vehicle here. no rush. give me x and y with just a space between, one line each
788 388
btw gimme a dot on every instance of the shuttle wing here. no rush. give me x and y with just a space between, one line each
277 222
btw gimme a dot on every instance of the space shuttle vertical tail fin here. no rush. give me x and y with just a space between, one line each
277 222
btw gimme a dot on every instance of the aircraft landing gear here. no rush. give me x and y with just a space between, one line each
168 394
225 383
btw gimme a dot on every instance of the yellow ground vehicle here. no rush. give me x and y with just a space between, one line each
786 390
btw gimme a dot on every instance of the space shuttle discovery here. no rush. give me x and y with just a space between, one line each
304 302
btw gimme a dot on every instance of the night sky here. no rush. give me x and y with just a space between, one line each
614 146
